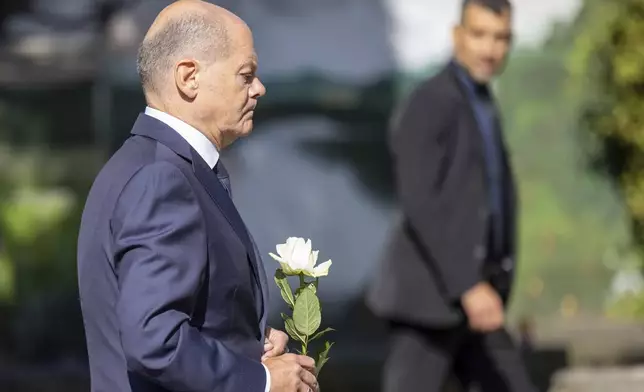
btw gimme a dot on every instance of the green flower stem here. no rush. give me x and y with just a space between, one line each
306 338
305 346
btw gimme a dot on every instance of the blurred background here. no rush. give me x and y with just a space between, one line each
317 166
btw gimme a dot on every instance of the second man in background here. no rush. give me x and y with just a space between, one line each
447 276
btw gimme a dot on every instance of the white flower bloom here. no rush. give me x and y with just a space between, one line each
296 256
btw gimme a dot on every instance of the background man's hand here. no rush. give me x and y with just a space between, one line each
292 373
483 307
274 343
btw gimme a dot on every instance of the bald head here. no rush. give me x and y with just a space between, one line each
185 29
198 63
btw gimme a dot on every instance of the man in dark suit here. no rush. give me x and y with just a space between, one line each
173 291
449 269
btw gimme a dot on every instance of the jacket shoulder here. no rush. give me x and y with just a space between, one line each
431 97
440 85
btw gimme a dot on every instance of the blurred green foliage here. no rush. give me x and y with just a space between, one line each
608 77
628 307
33 214
41 194
607 65
570 216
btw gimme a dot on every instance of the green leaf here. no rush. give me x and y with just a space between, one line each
306 313
323 357
285 288
308 285
321 333
289 325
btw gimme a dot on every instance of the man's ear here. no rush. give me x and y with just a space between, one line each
186 78
456 31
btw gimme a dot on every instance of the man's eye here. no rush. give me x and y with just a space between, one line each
477 33
248 77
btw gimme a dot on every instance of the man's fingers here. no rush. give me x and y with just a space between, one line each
478 321
271 353
483 321
496 318
302 360
306 362
309 379
488 321
268 351
479 326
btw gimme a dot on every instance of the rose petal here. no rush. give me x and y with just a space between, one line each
276 257
288 270
313 258
282 250
322 269
301 254
291 244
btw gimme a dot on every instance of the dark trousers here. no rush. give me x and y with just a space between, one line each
422 360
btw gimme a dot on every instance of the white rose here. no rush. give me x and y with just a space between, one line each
296 257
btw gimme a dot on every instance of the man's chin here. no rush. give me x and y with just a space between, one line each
483 78
247 127
485 75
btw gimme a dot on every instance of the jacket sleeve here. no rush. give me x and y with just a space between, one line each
160 258
423 142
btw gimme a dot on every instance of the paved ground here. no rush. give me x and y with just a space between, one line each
615 379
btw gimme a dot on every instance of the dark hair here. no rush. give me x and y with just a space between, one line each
496 6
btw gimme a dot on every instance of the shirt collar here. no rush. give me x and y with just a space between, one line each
465 78
197 140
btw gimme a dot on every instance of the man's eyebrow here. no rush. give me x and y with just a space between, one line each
250 62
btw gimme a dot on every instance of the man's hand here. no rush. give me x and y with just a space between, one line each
274 343
292 373
483 307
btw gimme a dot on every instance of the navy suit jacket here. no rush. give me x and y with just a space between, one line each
172 288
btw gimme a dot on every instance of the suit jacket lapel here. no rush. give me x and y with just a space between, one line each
159 131
218 193
262 283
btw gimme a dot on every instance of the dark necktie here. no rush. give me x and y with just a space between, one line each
224 179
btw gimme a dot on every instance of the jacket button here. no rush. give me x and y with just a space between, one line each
507 264
479 252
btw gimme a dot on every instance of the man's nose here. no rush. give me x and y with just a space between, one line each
258 89
487 47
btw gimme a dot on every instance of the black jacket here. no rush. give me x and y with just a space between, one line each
439 249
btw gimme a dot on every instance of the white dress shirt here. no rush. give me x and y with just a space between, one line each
200 143
197 140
